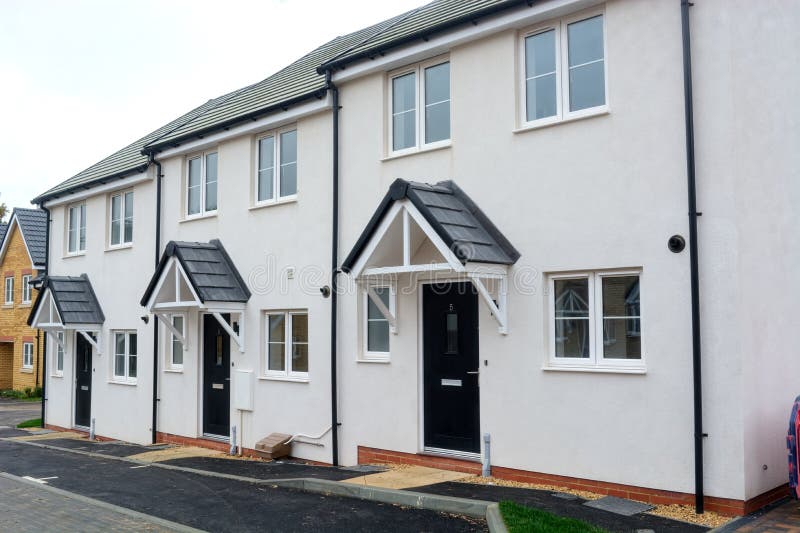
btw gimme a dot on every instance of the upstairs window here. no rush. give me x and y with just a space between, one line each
276 176
26 289
121 219
125 356
564 70
420 107
595 320
76 229
201 185
9 291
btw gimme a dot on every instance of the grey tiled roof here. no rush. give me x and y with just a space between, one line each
3 230
421 23
74 298
33 223
125 161
210 270
455 218
300 80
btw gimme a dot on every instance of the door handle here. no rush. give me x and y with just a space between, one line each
474 372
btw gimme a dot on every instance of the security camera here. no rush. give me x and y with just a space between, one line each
145 319
326 291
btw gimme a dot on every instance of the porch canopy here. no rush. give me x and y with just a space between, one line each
201 276
433 229
68 303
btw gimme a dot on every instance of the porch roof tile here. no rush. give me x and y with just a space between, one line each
74 298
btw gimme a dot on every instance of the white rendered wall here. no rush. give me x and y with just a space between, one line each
605 192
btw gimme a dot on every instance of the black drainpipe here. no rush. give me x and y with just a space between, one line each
44 344
693 261
159 175
334 270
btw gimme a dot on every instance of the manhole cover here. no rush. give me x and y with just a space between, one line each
619 506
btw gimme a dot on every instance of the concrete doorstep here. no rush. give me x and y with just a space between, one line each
489 511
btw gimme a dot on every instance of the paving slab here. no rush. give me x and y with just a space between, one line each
50 435
406 478
178 452
621 506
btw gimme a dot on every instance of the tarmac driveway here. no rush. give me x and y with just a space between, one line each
12 412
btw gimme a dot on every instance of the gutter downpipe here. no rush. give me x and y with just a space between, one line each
44 343
159 175
334 270
693 259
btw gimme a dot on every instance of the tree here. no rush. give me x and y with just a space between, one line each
3 211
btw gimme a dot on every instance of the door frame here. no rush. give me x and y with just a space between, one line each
201 330
454 278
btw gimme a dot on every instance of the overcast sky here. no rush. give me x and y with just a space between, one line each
80 79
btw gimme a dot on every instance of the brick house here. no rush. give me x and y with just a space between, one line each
22 258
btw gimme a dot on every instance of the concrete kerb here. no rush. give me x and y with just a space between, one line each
448 504
154 520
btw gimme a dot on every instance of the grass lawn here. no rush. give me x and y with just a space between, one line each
521 519
33 423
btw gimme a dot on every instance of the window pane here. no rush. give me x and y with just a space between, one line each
211 182
59 353
586 64
194 186
621 320
73 229
276 328
372 310
115 219
82 228
404 122
540 54
585 41
378 336
119 354
572 337
177 347
299 328
132 366
540 97
277 357
288 178
266 168
571 298
128 217
299 343
452 333
437 103
132 344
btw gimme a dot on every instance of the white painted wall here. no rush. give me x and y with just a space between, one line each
118 277
263 243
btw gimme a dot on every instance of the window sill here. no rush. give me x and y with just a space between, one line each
283 201
173 370
546 123
8 306
26 370
120 247
197 217
442 145
59 376
25 304
284 378
383 361
76 254
597 369
126 383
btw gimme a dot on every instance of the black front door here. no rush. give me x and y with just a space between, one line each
450 354
216 377
83 381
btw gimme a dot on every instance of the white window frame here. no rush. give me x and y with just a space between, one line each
563 114
366 354
26 288
419 71
288 373
126 378
58 354
276 169
596 359
122 195
171 342
81 223
27 351
203 185
8 290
